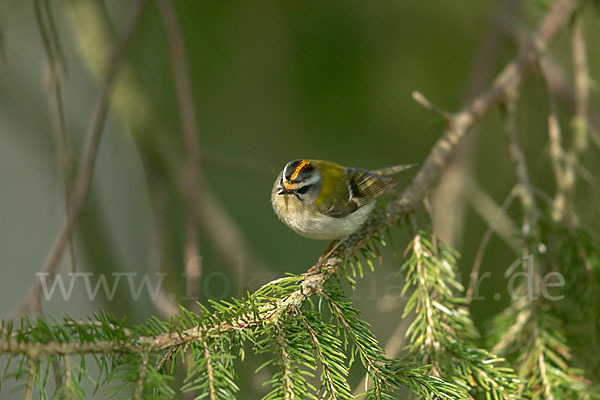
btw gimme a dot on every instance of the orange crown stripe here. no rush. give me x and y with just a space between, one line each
290 186
299 168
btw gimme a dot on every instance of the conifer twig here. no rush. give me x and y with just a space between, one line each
68 384
143 369
209 371
313 283
32 361
288 384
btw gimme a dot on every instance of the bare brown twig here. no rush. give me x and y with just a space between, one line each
474 275
161 162
427 104
448 199
86 167
558 84
582 87
187 116
51 46
525 191
464 119
492 214
311 284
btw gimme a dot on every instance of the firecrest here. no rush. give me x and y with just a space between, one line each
323 200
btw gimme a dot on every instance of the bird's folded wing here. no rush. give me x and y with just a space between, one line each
358 189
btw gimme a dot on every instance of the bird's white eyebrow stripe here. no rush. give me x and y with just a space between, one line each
285 171
313 179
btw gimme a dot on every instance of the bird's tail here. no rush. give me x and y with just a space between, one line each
392 170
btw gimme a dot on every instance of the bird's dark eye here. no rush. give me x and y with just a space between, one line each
302 190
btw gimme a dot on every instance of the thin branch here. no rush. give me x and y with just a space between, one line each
582 86
288 383
143 369
566 187
530 230
187 116
392 349
327 373
53 36
526 192
165 304
464 119
563 173
90 149
55 99
559 85
541 362
428 105
555 151
132 102
209 371
448 199
311 284
492 214
68 384
166 358
474 275
516 329
32 361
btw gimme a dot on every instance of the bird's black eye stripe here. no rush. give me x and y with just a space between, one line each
302 190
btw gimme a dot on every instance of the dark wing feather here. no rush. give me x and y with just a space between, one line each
358 189
367 186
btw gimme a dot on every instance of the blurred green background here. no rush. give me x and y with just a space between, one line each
272 81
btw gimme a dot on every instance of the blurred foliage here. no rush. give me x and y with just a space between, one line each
272 81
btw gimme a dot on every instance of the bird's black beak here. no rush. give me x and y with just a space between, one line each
282 190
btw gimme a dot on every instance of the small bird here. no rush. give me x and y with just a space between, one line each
324 200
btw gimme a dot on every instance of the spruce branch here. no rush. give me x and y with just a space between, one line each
210 373
330 355
209 337
31 374
68 387
538 346
508 80
288 384
290 344
442 333
386 374
543 353
143 367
